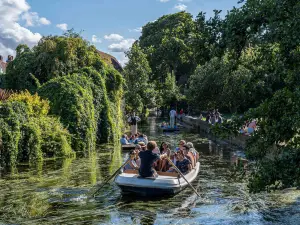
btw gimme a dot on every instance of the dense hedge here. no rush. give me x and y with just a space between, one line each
83 92
27 133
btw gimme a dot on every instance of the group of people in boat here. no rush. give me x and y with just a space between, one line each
134 139
148 158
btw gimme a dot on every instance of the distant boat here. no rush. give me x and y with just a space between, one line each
131 183
169 129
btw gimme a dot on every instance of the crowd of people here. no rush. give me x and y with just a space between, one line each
147 158
249 127
3 64
213 117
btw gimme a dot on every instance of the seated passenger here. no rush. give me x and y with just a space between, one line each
189 155
181 144
193 151
137 159
131 165
141 138
183 164
132 139
147 160
164 149
124 140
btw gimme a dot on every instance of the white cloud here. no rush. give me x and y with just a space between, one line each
180 7
33 19
62 26
44 21
184 0
138 29
164 0
11 32
123 46
95 39
113 37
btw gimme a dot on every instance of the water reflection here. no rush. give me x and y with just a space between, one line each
57 191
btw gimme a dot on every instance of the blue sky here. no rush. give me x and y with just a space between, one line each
114 24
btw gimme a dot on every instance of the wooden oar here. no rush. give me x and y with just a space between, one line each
105 182
178 171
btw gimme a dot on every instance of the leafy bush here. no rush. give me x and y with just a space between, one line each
83 104
27 133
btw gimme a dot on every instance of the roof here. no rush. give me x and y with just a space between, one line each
110 60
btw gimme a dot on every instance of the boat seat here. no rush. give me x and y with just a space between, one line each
131 171
168 174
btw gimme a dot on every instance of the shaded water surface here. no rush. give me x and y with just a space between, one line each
56 193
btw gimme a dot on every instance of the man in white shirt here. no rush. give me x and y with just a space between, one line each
132 120
172 115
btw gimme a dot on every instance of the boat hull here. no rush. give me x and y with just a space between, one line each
133 184
128 147
148 192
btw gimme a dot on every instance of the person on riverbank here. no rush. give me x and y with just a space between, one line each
172 115
133 120
147 160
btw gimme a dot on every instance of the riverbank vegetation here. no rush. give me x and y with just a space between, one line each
72 101
247 62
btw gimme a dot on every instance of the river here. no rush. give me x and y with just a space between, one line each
55 192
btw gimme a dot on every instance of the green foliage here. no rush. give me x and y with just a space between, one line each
140 92
84 92
54 56
166 43
27 133
82 102
71 98
170 93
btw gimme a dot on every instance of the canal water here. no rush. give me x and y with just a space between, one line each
56 192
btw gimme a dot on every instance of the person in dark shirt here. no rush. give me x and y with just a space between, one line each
183 164
147 159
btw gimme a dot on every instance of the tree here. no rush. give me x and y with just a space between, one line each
165 42
140 92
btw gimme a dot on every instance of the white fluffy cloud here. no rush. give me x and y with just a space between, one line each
138 29
95 39
113 37
11 32
122 46
164 0
44 21
33 19
180 7
62 26
184 0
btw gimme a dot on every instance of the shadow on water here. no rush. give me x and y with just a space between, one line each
55 192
